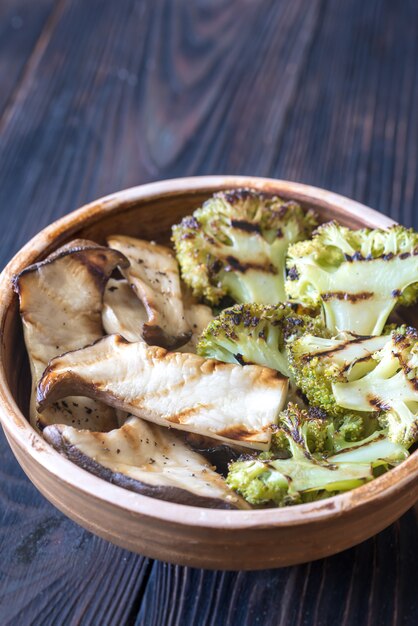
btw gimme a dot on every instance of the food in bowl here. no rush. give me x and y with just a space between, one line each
274 347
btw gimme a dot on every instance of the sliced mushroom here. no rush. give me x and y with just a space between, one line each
216 452
60 305
153 274
198 316
124 314
147 459
185 391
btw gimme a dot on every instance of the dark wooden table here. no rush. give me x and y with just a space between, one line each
97 95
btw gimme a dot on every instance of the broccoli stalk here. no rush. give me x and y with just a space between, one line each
236 244
306 476
358 276
377 449
391 387
254 333
317 362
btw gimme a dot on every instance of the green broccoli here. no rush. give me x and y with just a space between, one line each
236 244
357 275
256 333
271 480
377 449
316 362
391 387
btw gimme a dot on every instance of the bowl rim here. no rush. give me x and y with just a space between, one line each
18 429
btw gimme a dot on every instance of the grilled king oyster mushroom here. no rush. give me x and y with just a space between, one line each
198 317
154 275
185 391
124 314
148 459
60 305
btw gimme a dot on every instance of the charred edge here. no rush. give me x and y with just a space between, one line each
402 340
248 227
361 445
357 256
234 196
215 267
234 265
101 263
361 359
377 404
53 387
155 336
237 433
315 412
349 297
161 492
239 359
183 417
190 222
308 357
413 382
86 251
214 449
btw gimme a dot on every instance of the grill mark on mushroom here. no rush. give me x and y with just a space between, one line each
186 391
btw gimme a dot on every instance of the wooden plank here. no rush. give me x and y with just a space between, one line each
371 584
23 26
350 127
353 126
95 113
155 93
121 93
51 570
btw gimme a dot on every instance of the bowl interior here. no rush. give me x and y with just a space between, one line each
148 218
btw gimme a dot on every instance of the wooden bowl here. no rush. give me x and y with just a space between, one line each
163 530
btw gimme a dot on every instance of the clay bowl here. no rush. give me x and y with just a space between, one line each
163 530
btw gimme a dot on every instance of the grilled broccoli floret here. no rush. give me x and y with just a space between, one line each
310 427
358 275
391 387
317 362
236 244
377 449
305 476
256 333
352 427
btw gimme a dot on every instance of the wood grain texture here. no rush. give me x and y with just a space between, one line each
121 93
23 28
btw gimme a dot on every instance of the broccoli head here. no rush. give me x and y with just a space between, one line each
256 333
236 244
272 480
358 276
316 362
391 387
